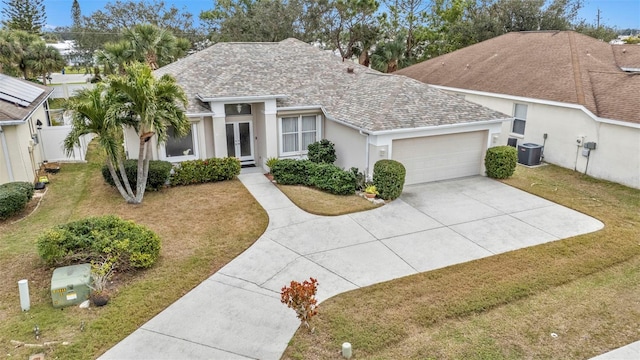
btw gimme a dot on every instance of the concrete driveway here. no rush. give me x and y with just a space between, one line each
237 314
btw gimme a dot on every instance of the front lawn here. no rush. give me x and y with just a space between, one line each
202 227
318 202
570 299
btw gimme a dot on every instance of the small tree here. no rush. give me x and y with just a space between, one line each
301 297
322 152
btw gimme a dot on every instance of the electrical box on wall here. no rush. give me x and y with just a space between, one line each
590 145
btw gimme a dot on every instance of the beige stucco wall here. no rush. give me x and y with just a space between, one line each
20 154
259 132
207 124
349 145
617 157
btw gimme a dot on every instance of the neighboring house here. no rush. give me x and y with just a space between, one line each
257 101
23 105
564 90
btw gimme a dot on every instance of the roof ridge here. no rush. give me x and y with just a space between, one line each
575 65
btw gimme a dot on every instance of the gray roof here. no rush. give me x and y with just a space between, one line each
23 97
306 75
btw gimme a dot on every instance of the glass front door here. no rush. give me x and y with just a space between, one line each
239 144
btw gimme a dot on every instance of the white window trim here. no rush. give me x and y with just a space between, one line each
515 134
174 159
301 152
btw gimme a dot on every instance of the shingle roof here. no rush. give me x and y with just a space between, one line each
10 111
560 66
308 76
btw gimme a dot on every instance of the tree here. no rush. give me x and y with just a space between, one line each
256 20
115 56
154 105
389 56
43 59
26 15
349 23
14 51
405 18
92 114
76 14
157 47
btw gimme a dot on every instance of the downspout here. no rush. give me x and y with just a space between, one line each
366 153
5 150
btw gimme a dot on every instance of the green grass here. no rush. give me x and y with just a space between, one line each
57 103
202 228
505 306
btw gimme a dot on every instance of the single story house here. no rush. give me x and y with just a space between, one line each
23 109
566 91
257 101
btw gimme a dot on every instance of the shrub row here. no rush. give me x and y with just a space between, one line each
93 238
326 177
14 196
388 177
158 175
500 161
209 170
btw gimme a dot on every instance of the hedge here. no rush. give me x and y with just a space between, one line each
322 152
93 238
208 170
332 179
293 172
157 177
14 196
500 161
388 177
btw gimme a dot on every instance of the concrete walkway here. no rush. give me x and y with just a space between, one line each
237 314
629 352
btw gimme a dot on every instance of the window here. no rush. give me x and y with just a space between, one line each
179 149
237 109
297 132
520 119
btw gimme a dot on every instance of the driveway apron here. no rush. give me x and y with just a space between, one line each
237 314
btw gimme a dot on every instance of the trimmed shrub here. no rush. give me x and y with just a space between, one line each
360 178
293 172
157 177
388 177
14 196
93 238
203 171
500 161
332 179
322 152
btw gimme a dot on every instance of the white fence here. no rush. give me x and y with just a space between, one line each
68 89
52 142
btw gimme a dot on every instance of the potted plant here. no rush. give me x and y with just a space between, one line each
101 273
370 191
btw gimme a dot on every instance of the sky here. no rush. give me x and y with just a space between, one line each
621 14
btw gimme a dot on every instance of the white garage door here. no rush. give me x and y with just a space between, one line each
441 157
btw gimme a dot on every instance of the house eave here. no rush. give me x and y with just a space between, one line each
12 122
244 99
543 102
445 126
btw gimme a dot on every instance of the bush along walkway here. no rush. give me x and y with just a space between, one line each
237 313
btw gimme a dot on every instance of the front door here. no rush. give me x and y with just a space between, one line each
239 141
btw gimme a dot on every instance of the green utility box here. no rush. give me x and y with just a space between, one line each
70 285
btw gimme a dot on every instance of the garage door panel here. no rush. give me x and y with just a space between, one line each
441 157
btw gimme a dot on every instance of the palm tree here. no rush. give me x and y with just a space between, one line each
115 56
14 51
92 113
155 46
43 59
388 56
154 105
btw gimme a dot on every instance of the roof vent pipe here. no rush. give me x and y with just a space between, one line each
350 69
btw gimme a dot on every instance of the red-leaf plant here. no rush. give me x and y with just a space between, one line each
301 298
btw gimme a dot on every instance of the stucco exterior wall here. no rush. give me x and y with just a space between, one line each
349 145
616 158
259 133
20 153
207 124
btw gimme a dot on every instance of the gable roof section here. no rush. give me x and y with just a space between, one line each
561 66
302 75
19 98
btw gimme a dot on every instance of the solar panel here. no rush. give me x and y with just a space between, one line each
16 91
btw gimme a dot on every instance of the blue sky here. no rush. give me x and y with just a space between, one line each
618 13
